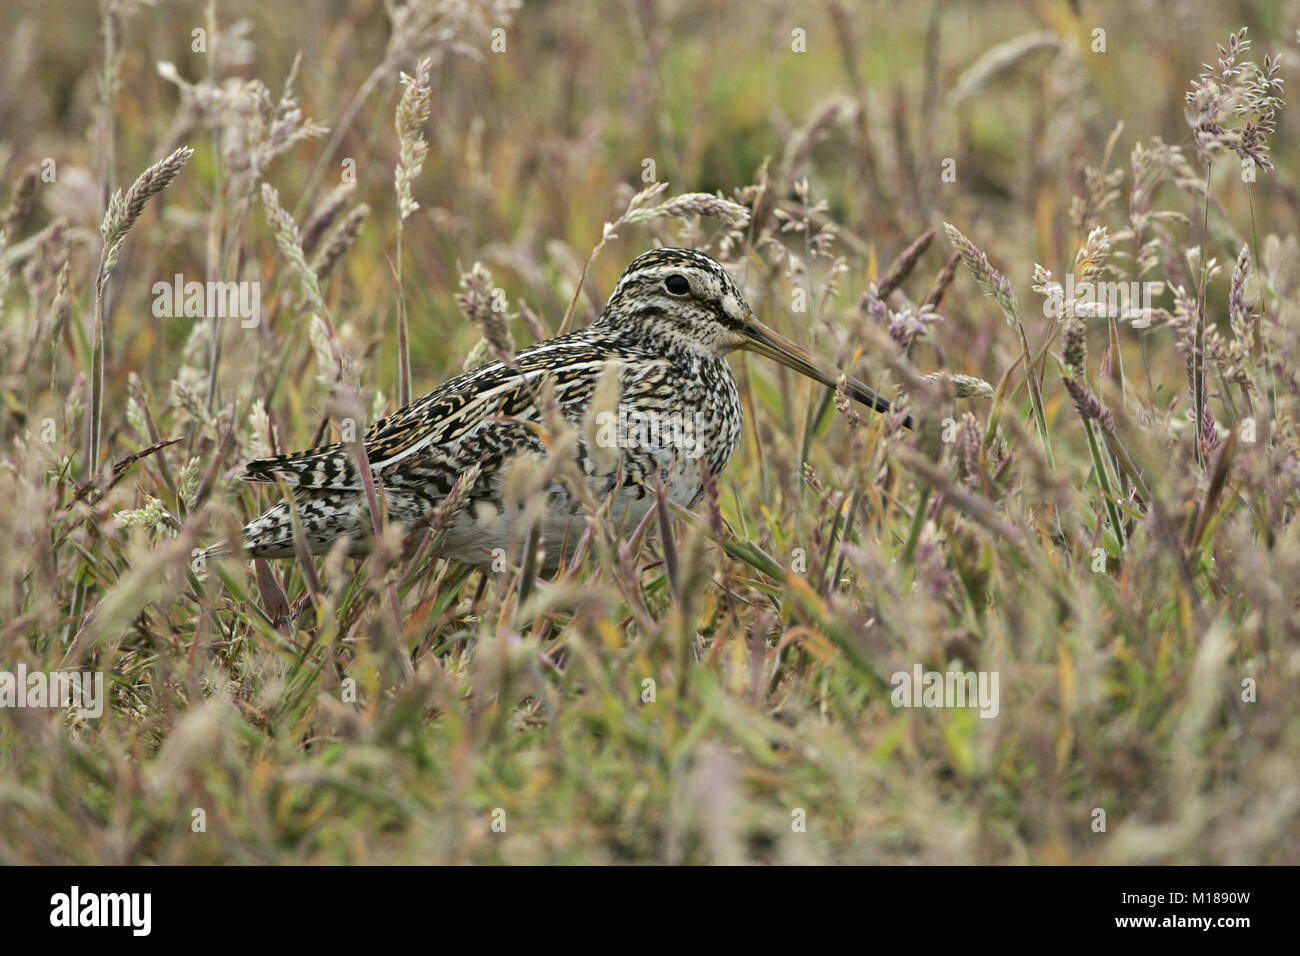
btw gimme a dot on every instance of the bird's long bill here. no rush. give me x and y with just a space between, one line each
775 346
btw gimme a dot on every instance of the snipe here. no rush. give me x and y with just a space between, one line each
673 316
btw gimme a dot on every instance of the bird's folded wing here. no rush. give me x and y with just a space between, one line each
475 400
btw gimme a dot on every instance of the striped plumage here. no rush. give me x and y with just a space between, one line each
671 319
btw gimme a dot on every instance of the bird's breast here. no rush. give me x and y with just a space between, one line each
672 422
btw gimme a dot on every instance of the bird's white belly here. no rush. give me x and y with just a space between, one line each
488 537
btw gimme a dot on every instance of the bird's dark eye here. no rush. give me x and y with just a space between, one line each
677 285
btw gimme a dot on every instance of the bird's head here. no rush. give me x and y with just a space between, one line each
687 299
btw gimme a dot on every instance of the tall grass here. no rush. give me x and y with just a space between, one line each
1098 506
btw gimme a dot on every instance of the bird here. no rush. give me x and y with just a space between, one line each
663 337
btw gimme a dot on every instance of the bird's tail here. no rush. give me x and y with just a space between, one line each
325 516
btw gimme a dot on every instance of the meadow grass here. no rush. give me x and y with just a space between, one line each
1096 505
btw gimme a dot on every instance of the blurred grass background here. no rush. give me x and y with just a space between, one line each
1121 690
